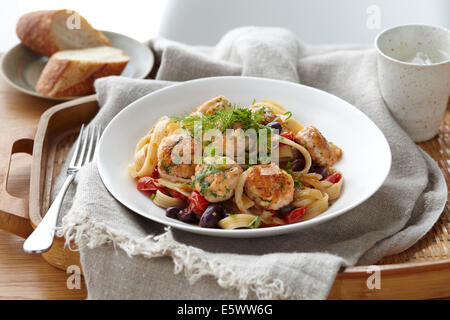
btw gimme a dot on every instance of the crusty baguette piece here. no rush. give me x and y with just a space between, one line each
47 32
72 73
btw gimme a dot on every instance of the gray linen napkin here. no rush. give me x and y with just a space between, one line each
125 256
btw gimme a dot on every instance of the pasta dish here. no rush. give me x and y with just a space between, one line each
231 167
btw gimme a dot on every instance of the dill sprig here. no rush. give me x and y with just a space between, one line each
223 119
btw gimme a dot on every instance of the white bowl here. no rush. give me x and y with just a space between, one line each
365 163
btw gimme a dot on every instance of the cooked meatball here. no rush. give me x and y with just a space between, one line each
210 106
269 186
263 114
172 157
216 178
319 148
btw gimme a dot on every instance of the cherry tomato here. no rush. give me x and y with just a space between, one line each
150 185
197 203
294 215
178 195
147 184
333 178
288 135
155 173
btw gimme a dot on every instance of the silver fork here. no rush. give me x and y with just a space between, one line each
41 239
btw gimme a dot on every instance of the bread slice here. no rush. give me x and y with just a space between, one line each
47 32
71 73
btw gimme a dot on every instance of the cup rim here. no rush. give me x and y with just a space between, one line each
403 62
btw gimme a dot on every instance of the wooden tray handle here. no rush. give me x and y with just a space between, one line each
14 210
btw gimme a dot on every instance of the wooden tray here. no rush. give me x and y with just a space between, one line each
421 272
49 145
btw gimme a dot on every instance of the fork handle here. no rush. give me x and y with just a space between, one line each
41 239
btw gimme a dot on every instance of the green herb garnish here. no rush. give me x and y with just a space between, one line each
165 166
255 223
298 183
289 114
264 200
223 119
206 172
213 193
204 185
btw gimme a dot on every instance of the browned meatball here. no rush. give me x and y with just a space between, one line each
215 179
269 186
210 106
171 158
321 151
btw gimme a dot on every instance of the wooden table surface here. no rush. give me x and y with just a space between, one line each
26 276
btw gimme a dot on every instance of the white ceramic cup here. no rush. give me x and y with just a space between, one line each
414 76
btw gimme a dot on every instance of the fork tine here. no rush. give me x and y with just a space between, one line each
77 147
99 134
85 139
91 146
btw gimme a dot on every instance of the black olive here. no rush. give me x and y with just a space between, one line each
187 216
274 125
172 212
212 215
298 164
217 208
322 170
285 210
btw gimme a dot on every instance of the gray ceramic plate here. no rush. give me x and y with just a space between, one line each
22 67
